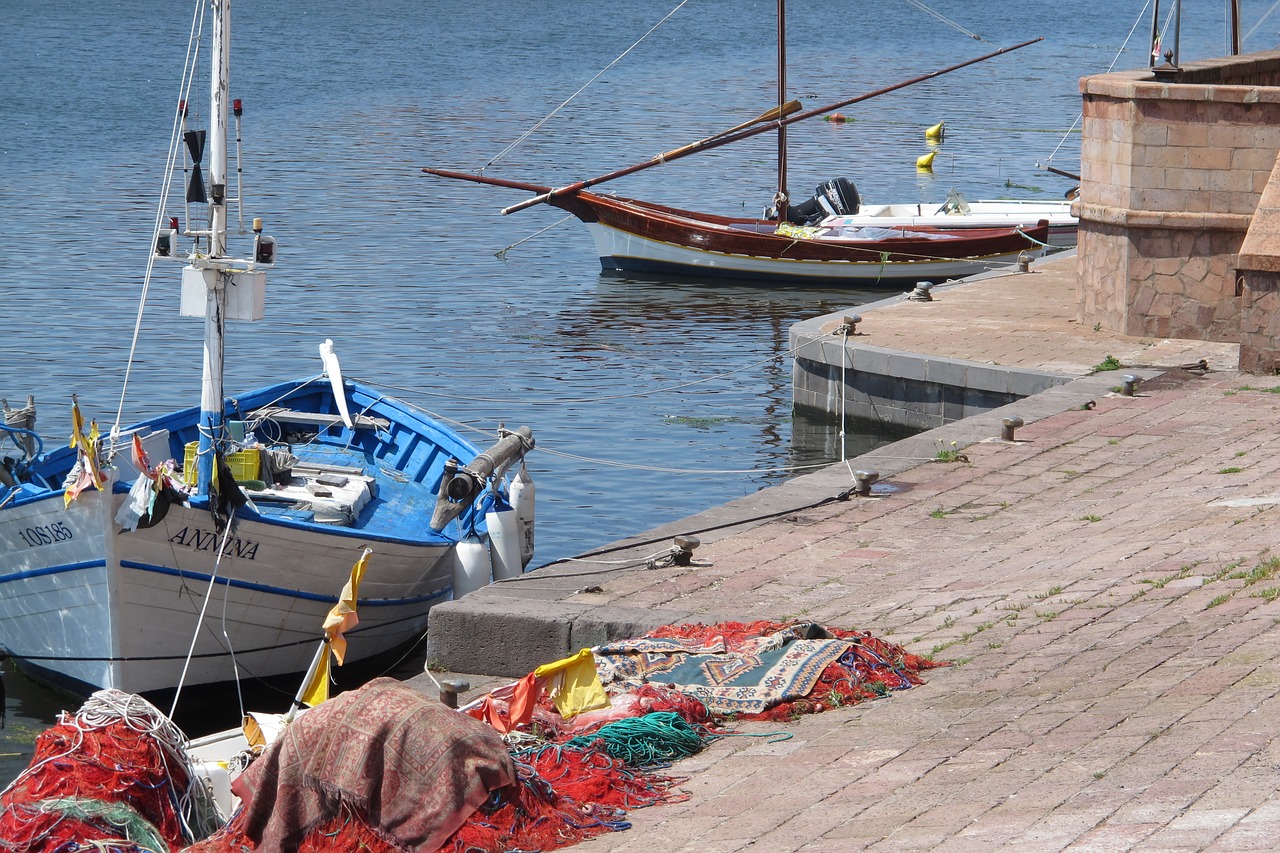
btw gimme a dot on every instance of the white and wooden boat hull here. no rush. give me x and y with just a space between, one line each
84 618
625 251
1063 225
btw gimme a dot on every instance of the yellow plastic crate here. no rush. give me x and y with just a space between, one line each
245 465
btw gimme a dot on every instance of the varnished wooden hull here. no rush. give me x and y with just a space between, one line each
639 236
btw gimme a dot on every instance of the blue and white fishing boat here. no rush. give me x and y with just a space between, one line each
207 545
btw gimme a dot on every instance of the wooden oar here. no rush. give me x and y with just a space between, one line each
768 115
753 129
772 115
1062 173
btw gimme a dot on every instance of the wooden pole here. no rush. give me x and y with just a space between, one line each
1235 27
781 200
1155 33
716 142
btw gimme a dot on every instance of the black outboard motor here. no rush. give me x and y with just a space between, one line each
836 197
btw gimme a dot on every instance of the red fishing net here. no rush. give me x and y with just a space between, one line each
105 774
562 796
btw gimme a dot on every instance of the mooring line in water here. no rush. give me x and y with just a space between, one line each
501 254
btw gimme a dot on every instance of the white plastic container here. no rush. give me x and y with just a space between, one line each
472 566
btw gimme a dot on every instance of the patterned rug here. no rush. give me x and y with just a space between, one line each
744 677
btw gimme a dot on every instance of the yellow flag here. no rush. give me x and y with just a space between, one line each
317 689
343 615
574 684
87 450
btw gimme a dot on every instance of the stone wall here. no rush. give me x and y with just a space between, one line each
1171 173
1259 277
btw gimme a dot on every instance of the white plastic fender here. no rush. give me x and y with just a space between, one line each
522 499
472 566
504 539
215 776
334 372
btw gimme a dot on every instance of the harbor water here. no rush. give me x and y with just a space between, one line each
650 399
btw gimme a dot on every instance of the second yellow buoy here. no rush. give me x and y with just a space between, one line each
935 133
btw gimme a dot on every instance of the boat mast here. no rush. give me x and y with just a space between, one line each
781 199
211 384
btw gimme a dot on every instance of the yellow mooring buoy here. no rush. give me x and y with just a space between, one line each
935 133
926 161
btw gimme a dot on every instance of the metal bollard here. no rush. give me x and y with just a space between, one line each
849 326
1024 262
1009 425
1130 385
921 293
862 482
450 688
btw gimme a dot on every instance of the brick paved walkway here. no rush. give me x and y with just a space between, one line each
1104 587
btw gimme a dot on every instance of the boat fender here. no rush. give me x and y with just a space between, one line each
472 566
504 540
522 499
217 780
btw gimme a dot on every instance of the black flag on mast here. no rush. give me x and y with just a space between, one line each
195 145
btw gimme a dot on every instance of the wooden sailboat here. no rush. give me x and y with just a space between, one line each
783 248
207 545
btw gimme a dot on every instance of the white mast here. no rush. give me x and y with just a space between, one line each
211 385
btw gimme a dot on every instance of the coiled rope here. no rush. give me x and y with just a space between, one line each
645 741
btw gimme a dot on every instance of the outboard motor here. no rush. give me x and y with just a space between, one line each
836 197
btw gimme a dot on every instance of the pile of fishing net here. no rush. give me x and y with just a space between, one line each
113 776
707 674
558 757
385 769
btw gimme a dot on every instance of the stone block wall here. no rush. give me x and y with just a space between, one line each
1172 173
1259 277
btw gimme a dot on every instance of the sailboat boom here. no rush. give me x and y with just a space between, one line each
716 141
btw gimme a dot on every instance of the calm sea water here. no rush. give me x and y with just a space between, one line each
650 399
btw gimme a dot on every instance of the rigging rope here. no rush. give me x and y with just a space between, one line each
217 562
922 7
1261 21
175 147
522 137
1115 59
501 254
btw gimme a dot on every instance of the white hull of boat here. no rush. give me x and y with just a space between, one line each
624 251
981 214
88 617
